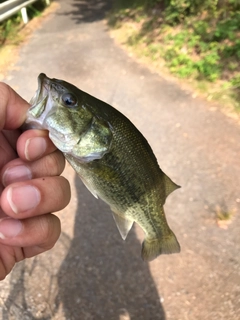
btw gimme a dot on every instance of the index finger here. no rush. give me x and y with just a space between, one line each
13 108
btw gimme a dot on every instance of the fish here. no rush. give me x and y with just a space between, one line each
111 156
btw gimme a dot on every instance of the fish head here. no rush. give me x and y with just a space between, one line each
60 108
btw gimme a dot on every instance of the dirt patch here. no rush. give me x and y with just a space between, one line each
9 52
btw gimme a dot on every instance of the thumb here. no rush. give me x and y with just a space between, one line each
13 108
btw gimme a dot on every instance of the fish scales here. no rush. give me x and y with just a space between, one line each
111 156
126 188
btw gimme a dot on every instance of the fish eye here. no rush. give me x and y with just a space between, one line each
69 99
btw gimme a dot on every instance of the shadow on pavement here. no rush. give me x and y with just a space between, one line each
94 276
88 11
106 277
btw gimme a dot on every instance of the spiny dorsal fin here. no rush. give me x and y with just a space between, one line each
124 225
170 186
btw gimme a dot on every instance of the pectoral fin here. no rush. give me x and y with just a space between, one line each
124 225
90 188
76 167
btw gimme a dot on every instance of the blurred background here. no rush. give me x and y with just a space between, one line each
172 67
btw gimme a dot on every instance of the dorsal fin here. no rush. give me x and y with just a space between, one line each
124 225
170 186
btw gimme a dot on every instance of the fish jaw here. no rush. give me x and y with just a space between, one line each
43 114
38 111
43 105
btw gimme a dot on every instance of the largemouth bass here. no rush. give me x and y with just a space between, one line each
112 158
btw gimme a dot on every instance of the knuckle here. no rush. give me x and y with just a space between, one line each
49 229
61 194
54 163
5 90
66 191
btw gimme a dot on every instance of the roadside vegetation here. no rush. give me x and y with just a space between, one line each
198 40
10 29
13 32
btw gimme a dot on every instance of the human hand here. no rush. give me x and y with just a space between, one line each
30 185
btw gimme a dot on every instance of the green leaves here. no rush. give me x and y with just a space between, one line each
197 39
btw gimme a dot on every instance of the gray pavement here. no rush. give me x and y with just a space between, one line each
91 274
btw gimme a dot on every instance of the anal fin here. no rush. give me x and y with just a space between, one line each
124 225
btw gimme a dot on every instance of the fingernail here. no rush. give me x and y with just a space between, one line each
35 148
9 228
23 198
16 174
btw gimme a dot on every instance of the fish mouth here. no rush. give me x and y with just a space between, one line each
42 107
37 112
42 91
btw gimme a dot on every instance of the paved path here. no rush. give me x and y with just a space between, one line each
91 274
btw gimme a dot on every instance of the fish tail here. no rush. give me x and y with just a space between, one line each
152 248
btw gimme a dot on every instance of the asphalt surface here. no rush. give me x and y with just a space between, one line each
92 274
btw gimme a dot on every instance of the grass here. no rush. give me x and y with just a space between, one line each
202 48
9 31
223 216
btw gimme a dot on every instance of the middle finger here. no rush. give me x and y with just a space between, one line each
35 197
19 170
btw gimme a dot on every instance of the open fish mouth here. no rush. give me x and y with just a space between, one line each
37 112
42 92
43 106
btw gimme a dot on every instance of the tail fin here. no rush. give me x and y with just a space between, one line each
152 248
